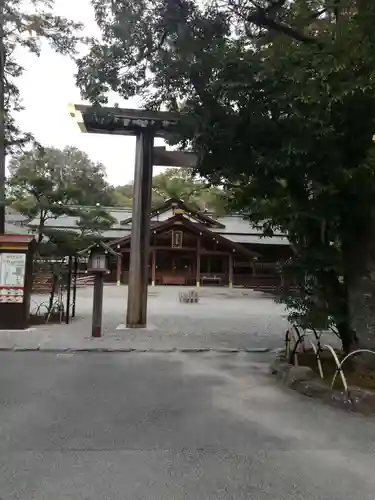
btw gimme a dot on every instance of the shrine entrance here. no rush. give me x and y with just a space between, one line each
175 267
184 252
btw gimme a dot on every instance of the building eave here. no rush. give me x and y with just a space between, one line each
178 221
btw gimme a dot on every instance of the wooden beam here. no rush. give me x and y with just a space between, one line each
97 307
123 121
174 249
165 158
118 269
230 264
198 264
140 240
213 252
153 266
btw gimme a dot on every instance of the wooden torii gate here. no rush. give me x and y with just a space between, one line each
145 126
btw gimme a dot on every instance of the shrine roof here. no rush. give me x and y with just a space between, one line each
99 244
179 221
233 227
173 206
16 229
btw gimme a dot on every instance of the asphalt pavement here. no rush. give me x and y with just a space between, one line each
199 426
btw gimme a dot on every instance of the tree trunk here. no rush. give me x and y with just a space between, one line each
52 293
360 266
42 221
339 300
344 327
347 336
362 310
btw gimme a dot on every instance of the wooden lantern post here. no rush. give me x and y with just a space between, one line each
118 269
98 265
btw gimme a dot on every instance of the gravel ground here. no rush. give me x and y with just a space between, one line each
223 319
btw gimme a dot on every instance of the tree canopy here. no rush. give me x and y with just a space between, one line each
177 183
26 24
278 101
47 183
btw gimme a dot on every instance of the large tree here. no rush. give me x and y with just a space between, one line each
45 183
25 24
181 183
90 224
177 183
279 104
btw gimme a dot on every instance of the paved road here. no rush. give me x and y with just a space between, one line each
144 426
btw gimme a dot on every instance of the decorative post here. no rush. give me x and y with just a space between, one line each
230 263
198 266
97 306
118 269
69 289
140 240
253 265
282 280
75 272
153 267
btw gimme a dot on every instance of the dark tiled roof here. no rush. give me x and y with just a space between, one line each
233 227
179 221
175 204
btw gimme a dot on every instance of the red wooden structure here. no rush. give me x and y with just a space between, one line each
188 247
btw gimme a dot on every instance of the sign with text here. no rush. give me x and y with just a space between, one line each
176 239
12 277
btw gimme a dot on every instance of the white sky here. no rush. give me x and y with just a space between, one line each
48 86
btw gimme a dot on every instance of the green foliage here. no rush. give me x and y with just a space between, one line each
93 221
64 243
26 25
122 196
175 53
178 183
279 103
48 183
181 183
61 243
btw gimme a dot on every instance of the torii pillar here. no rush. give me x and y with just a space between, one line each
136 315
145 125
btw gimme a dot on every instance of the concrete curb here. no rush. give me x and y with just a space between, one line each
304 380
130 349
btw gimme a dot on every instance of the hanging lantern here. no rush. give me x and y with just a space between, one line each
98 261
